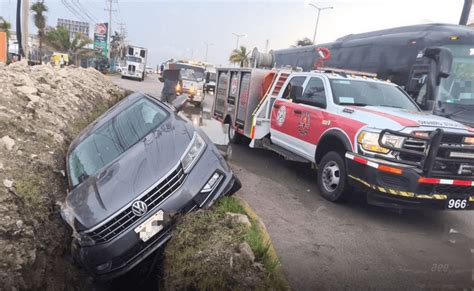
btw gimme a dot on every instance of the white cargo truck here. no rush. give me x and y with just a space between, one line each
135 63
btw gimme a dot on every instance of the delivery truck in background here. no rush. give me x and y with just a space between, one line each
135 63
434 63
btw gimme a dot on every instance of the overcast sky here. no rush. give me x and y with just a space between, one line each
177 28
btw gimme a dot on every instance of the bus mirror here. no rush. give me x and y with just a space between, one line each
443 60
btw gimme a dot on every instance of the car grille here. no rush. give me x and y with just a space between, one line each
131 68
445 165
123 220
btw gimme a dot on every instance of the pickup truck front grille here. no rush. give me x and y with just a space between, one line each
440 155
124 219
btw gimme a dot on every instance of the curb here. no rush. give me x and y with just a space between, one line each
263 230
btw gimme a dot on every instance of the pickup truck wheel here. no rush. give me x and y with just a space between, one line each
234 136
332 177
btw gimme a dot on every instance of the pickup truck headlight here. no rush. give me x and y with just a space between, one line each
193 152
369 141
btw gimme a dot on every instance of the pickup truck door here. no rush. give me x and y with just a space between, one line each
283 117
310 117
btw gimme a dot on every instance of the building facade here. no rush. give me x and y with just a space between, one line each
74 27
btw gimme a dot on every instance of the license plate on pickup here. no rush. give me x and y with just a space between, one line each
458 204
151 226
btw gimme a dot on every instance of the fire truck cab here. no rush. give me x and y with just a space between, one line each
359 132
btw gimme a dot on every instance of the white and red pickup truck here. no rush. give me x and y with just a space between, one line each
357 130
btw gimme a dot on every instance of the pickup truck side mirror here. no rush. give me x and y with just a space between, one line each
296 92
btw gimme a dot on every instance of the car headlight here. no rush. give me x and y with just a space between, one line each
191 90
83 239
193 152
369 141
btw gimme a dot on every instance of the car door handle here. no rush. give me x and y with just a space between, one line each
276 106
297 111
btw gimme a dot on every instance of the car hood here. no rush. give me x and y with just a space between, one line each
142 165
397 119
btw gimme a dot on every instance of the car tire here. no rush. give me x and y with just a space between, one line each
234 136
332 177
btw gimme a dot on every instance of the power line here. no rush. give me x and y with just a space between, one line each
86 11
73 10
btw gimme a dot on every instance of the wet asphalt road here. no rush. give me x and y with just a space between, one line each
323 245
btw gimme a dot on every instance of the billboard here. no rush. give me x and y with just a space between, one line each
100 38
3 47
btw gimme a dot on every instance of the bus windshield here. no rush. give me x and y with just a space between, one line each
458 88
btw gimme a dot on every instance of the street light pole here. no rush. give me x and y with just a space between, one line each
317 19
207 49
238 37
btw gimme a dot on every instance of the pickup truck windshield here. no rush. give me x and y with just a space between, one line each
113 138
366 93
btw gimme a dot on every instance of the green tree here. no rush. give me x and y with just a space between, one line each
59 40
40 20
240 56
5 26
304 42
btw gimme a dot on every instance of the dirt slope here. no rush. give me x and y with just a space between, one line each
41 109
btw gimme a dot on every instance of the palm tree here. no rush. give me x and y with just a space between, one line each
304 42
240 56
59 40
40 20
5 26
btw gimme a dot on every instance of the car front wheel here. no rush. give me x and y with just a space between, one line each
332 177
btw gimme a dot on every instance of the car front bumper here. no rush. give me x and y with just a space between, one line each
126 250
403 190
132 74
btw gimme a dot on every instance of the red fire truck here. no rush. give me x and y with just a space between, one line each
357 130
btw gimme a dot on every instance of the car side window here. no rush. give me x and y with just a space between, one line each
314 92
295 81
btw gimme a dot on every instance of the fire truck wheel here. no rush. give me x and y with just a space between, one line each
234 136
332 177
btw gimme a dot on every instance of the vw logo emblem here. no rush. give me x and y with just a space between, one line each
139 208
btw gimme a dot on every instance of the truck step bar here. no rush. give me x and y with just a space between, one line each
286 154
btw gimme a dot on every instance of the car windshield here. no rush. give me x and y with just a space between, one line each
192 74
134 59
113 138
367 93
458 88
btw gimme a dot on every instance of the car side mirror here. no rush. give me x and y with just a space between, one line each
208 77
161 79
296 92
180 102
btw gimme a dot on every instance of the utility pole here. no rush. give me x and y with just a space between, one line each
110 10
24 23
207 49
317 19
238 37
18 29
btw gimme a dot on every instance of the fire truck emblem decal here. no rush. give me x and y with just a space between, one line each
304 124
281 114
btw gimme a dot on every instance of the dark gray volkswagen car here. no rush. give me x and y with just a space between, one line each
130 172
